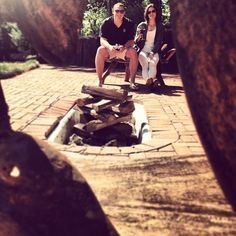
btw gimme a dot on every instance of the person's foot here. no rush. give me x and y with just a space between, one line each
126 79
149 81
133 87
101 82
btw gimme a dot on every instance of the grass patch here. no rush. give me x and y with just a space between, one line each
11 69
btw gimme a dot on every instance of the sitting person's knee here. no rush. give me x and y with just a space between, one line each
102 53
101 50
131 53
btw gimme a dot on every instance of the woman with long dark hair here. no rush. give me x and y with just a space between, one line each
148 40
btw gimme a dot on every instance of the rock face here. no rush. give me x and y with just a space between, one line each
42 194
51 26
206 49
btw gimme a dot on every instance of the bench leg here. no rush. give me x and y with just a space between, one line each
111 67
159 76
108 70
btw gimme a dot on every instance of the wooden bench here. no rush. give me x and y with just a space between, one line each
165 57
113 63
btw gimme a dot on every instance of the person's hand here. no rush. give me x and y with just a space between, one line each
151 55
122 48
139 37
112 48
116 47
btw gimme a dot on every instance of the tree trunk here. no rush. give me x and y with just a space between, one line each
4 117
109 7
158 4
205 37
48 196
51 26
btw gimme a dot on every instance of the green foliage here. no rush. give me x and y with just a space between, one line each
135 10
15 36
14 33
97 11
12 41
166 12
93 17
8 70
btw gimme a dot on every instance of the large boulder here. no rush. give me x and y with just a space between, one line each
205 39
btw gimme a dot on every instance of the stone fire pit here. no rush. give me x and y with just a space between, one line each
107 117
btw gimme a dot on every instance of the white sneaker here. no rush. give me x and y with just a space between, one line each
133 87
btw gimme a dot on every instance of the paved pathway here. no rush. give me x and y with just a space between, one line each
39 96
176 195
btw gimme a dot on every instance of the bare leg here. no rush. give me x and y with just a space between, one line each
131 54
127 73
101 56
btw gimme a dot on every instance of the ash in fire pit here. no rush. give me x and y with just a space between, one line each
106 117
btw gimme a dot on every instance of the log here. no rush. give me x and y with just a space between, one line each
104 104
97 124
90 114
78 129
106 117
113 94
87 110
124 129
129 98
124 108
85 118
85 101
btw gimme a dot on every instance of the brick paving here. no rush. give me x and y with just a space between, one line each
39 98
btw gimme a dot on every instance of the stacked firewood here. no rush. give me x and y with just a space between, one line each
106 118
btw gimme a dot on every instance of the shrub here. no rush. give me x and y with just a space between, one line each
8 70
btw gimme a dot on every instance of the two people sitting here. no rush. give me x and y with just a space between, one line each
118 37
148 42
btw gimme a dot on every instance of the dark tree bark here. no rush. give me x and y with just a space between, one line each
4 117
158 4
51 26
46 196
205 38
109 7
